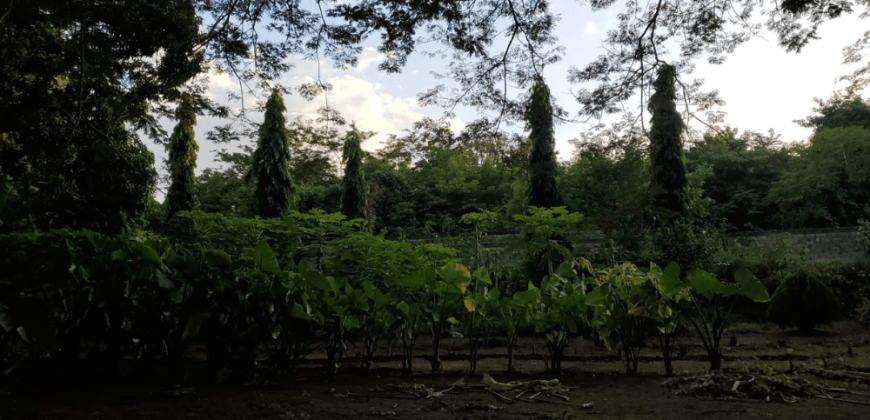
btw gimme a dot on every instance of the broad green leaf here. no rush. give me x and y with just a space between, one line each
216 258
118 255
193 325
164 281
596 298
483 275
669 281
403 307
600 316
665 311
176 296
452 320
7 322
750 286
566 269
297 311
146 252
493 295
417 279
264 259
101 242
456 274
572 326
315 278
276 331
704 283
637 311
469 303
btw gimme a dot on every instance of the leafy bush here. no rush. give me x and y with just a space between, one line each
541 231
803 301
689 242
850 283
864 313
772 258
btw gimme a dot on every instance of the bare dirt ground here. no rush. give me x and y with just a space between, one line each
826 380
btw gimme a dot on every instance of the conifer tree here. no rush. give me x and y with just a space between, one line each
539 120
354 189
271 166
182 160
668 184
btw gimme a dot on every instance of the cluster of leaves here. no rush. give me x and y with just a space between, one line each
220 282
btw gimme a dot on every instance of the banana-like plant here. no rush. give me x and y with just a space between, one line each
709 303
512 314
619 312
561 314
663 307
473 300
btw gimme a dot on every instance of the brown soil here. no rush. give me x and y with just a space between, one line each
594 375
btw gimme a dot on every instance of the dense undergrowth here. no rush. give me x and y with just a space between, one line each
243 288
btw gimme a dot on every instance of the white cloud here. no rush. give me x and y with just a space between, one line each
368 57
220 79
591 29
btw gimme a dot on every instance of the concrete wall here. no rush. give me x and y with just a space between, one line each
839 244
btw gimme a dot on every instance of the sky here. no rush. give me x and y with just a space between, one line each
764 86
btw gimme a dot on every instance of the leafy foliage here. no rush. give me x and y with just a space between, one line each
275 187
827 184
542 167
182 160
668 184
707 308
354 189
743 169
840 111
803 301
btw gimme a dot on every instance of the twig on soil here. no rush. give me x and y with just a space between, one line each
844 391
721 411
843 400
584 405
560 396
501 397
393 396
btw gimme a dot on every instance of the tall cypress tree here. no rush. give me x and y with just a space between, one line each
539 120
668 184
354 189
182 160
275 187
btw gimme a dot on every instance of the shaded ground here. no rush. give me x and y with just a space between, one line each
594 375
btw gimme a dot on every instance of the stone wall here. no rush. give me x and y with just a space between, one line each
840 244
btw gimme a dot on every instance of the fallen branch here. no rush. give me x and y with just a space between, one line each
844 391
560 396
584 405
843 400
501 397
721 411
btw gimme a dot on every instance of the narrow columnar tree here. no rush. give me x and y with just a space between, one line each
271 167
354 189
668 184
539 120
182 160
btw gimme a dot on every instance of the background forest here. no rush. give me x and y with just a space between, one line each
301 239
